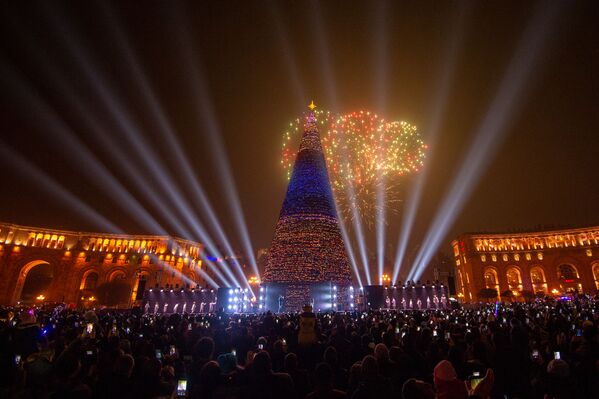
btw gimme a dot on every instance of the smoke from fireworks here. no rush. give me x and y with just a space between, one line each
363 152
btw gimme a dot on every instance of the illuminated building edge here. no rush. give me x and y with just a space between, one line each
550 262
75 256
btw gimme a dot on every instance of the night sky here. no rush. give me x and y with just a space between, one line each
261 63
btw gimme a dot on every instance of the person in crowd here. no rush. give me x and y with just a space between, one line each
339 374
355 376
301 383
540 350
373 384
447 383
323 384
264 383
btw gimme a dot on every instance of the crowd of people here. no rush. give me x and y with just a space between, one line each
544 349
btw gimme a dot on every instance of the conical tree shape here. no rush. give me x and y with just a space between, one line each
307 246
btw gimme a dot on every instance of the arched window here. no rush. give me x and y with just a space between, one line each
117 275
460 279
514 280
491 279
596 274
568 278
537 278
91 281
567 273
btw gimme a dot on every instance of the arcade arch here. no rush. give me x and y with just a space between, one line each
595 269
117 275
568 277
514 279
34 279
538 279
89 280
491 279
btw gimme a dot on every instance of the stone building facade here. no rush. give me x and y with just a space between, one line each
553 262
78 262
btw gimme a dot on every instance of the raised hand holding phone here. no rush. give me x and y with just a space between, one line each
483 387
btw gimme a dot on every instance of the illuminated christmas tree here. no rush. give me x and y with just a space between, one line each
307 247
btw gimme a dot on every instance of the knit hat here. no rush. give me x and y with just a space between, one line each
445 371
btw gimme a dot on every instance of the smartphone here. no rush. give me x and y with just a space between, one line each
89 352
284 341
396 330
158 354
475 379
435 333
189 327
172 350
182 388
234 352
579 332
141 335
557 355
535 354
89 328
17 359
261 346
447 335
114 329
128 330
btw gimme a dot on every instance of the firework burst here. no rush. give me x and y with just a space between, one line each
363 152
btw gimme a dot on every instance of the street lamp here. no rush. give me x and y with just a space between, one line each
385 279
254 280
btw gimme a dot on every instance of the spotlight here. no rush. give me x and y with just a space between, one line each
491 132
